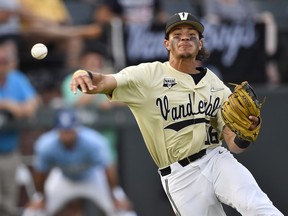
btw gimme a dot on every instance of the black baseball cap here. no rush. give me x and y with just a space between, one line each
184 18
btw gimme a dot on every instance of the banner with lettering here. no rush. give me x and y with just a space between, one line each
237 50
145 43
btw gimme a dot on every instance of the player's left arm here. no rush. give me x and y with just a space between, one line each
118 195
101 152
235 144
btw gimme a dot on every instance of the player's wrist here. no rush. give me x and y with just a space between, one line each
118 193
241 143
37 197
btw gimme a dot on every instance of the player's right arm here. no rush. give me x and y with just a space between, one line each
41 168
92 82
38 199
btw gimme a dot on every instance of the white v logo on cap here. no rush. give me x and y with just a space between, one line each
183 15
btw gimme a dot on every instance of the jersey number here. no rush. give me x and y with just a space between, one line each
212 136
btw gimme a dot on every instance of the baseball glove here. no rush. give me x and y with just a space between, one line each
241 104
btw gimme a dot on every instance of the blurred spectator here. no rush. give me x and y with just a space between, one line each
137 12
18 100
217 11
49 22
235 11
93 59
73 161
228 10
9 21
129 19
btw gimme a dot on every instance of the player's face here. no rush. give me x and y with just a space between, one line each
68 138
183 42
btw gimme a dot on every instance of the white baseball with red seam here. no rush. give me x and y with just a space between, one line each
39 51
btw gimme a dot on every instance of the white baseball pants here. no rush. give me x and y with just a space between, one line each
201 186
60 190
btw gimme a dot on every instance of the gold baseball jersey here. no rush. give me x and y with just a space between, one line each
176 117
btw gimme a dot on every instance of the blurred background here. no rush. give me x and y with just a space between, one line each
248 40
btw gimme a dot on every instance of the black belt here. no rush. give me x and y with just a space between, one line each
184 162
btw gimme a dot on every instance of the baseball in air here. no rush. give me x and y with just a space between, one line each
39 51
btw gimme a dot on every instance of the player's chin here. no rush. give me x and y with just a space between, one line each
186 55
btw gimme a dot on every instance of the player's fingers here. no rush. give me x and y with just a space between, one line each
74 85
88 81
82 85
82 82
255 121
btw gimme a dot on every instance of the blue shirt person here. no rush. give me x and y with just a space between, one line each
18 100
73 161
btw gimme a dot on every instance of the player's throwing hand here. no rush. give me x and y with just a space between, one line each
81 80
92 83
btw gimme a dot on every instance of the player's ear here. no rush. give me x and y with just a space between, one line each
200 44
167 44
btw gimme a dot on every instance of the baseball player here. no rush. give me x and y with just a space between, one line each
177 107
79 164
